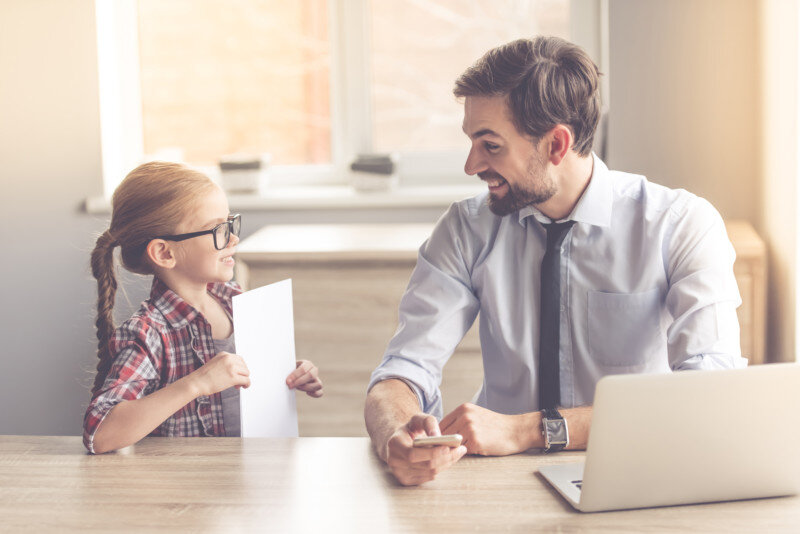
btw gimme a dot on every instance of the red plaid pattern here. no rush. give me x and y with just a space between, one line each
165 340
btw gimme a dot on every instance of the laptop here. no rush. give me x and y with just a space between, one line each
688 437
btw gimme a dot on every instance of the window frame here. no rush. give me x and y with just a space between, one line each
350 82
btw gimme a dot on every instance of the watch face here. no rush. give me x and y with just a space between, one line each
555 432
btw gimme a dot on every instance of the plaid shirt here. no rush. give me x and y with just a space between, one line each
165 340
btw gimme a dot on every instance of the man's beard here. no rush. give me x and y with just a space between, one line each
537 188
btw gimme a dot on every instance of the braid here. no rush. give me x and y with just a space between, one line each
103 271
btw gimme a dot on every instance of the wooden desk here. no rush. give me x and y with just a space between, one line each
313 485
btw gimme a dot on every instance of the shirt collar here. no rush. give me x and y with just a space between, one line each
180 313
595 205
177 311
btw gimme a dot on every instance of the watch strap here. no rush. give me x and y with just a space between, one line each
551 413
554 429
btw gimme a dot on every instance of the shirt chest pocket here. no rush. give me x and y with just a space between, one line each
625 328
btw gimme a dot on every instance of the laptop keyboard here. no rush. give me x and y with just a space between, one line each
578 483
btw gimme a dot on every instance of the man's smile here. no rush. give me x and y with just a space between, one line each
495 182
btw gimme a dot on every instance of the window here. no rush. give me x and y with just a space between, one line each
419 48
240 76
310 82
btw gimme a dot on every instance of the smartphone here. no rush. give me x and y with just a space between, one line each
450 440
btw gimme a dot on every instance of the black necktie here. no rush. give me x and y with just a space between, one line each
550 316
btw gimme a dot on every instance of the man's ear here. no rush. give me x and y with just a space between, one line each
559 143
160 253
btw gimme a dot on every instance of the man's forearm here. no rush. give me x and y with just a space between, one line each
579 421
390 404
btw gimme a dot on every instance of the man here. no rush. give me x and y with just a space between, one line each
577 271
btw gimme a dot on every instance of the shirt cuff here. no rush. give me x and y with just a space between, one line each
421 382
94 419
411 385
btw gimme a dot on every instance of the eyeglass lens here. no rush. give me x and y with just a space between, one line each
222 233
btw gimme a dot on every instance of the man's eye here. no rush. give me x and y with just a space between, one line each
491 147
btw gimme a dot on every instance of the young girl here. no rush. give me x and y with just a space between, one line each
171 369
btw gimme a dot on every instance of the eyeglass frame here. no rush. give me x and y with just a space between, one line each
232 219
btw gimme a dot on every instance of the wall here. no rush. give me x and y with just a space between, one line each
685 114
49 164
684 98
704 97
779 168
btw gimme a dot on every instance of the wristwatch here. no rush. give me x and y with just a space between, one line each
554 430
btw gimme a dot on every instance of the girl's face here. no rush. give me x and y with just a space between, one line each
196 259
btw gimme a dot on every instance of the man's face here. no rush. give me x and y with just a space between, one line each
510 163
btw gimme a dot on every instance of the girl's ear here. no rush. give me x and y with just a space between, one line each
161 254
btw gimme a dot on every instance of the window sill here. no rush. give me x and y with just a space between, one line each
333 197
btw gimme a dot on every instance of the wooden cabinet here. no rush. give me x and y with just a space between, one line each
347 282
750 270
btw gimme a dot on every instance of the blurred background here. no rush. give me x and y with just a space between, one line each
700 94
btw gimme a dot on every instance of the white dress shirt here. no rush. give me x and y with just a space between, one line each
647 286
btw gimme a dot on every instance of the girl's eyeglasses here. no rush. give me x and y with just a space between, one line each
221 232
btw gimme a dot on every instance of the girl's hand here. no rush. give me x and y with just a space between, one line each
220 372
305 378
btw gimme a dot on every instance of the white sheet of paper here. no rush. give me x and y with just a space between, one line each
263 326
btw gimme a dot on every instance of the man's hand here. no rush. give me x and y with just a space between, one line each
415 465
489 433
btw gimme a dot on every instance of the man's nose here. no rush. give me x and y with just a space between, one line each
475 162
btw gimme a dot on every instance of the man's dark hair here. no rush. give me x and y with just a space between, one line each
546 81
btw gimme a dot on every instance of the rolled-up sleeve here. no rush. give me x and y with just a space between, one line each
437 309
703 294
133 374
